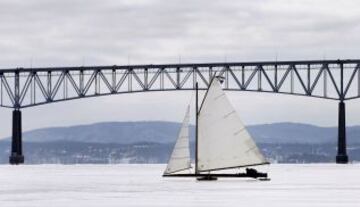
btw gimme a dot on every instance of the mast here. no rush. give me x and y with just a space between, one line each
196 126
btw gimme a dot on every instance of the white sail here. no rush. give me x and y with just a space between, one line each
223 141
180 157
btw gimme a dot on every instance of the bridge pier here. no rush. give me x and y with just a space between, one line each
16 156
341 157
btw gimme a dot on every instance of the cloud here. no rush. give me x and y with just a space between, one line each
108 32
92 32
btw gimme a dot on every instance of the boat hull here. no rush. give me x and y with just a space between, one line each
214 176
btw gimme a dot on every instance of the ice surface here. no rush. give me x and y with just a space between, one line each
142 185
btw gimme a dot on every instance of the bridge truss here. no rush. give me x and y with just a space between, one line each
328 79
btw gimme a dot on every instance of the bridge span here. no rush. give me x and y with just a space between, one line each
337 80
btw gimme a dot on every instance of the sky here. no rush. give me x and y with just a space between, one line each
44 33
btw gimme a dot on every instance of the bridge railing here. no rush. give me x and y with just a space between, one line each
336 79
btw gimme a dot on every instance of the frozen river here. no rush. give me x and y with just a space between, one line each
142 185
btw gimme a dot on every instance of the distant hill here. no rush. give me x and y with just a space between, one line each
294 133
288 132
151 142
108 132
166 132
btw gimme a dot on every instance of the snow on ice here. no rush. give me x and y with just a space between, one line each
142 185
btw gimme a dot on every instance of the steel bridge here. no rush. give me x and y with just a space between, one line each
328 79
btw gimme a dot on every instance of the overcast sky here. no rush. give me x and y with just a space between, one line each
41 33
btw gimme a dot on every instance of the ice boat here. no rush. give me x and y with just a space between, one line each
221 142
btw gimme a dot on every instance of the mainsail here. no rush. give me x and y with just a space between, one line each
180 157
223 141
